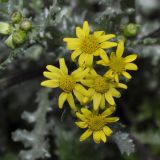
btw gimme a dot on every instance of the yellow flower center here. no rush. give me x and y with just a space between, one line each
117 64
101 84
67 83
96 122
89 45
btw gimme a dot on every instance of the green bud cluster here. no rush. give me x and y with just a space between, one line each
130 30
17 29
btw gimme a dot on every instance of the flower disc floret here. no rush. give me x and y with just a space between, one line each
67 84
117 64
100 84
89 45
96 122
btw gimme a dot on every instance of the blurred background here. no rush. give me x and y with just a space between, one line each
31 125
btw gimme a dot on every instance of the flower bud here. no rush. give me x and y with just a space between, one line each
9 42
25 24
130 30
19 37
5 28
16 17
121 38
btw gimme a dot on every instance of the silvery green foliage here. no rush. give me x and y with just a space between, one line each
124 142
149 137
35 139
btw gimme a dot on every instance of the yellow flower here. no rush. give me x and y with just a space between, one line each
87 45
102 89
118 64
67 83
96 124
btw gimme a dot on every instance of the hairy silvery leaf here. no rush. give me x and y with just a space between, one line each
124 142
35 140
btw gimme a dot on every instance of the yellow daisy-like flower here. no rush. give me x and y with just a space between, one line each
67 83
96 124
118 64
87 45
102 89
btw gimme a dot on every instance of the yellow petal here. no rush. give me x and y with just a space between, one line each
112 119
77 71
105 37
79 88
96 137
93 72
107 130
108 111
75 54
80 75
78 95
115 93
50 83
81 60
80 33
86 28
73 46
89 60
97 52
120 49
96 101
53 69
104 56
86 111
103 136
116 77
63 66
108 45
70 100
131 66
130 58
80 116
62 98
85 135
51 75
101 62
81 124
121 85
87 82
102 104
98 33
109 98
109 73
127 75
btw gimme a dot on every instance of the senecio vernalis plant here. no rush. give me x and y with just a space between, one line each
95 92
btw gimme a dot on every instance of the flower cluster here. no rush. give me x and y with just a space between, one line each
96 92
16 29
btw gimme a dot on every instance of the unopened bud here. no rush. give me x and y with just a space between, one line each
9 42
5 28
130 30
16 17
121 38
26 24
19 37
